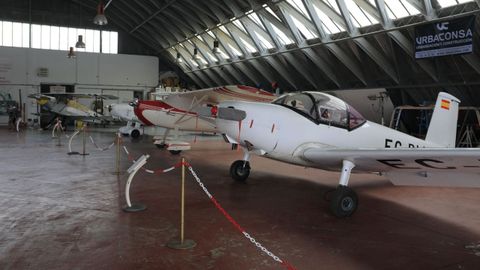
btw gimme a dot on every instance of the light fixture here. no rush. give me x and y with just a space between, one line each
216 48
71 53
100 18
195 54
80 44
179 58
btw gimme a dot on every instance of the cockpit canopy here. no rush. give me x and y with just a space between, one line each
322 108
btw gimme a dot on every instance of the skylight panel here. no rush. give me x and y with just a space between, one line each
254 17
265 43
201 38
448 3
239 25
224 30
298 5
248 46
194 63
333 5
397 9
360 18
210 33
273 13
224 55
234 50
212 58
284 39
330 26
303 29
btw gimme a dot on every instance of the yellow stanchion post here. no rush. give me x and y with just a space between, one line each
84 140
183 243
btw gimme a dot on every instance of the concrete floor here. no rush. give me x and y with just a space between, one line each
64 212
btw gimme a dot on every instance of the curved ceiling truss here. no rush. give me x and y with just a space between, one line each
300 44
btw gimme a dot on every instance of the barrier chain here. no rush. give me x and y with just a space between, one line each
235 223
102 148
220 208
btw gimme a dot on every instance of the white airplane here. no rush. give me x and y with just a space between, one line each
125 112
179 111
318 130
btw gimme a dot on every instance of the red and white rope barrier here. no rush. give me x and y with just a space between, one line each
101 148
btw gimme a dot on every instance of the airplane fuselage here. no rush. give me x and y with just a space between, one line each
281 133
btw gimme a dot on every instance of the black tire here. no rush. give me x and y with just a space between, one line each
344 202
161 145
240 170
135 133
175 152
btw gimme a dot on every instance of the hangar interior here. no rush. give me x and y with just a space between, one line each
66 211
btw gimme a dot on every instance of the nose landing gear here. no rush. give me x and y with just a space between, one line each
240 170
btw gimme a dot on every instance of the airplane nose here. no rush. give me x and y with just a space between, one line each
134 103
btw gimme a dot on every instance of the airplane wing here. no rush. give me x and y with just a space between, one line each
458 167
42 97
102 96
215 95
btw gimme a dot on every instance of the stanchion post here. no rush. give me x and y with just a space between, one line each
183 243
118 154
84 140
182 204
132 171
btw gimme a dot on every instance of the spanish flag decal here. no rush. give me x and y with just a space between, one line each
445 104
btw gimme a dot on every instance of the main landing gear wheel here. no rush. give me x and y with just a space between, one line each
240 170
161 145
344 202
175 152
135 133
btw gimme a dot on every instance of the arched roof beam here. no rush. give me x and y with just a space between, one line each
325 67
165 6
261 69
301 66
280 68
249 73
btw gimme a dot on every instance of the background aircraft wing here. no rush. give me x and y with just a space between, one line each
42 97
458 167
215 95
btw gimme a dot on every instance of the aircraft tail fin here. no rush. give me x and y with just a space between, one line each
443 125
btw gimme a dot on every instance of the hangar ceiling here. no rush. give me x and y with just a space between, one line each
300 44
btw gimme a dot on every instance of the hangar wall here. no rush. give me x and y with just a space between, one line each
118 74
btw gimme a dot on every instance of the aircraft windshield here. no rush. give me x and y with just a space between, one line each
322 108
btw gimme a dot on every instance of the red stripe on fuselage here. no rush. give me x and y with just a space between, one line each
155 105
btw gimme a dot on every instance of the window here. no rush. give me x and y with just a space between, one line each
15 34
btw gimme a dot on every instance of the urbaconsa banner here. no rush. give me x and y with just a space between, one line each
445 37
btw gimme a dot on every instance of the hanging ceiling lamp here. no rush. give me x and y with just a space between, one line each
80 44
100 18
195 54
179 58
216 49
71 53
